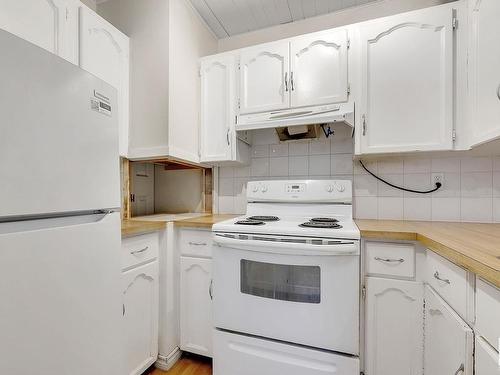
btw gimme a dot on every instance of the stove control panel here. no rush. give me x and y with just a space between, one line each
300 191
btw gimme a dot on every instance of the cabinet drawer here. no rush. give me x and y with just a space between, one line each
390 259
486 358
488 312
449 280
139 249
195 242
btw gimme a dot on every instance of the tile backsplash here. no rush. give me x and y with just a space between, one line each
470 192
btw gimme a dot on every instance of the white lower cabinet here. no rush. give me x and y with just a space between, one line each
196 305
140 282
486 358
394 327
448 344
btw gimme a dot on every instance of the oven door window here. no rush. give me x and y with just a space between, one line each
281 282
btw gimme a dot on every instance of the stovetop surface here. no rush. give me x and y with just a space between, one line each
291 226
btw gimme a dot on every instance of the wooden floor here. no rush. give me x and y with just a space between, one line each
189 365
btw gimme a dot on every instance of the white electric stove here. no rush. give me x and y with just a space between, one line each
286 282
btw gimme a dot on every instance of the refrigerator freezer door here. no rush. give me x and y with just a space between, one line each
61 300
58 134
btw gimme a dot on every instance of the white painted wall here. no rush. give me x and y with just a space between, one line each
348 16
90 3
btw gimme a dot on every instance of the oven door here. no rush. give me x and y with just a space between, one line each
292 291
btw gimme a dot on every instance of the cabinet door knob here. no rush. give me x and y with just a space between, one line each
437 277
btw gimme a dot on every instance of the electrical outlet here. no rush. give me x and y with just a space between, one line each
437 177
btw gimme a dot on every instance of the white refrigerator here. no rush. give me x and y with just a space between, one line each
60 294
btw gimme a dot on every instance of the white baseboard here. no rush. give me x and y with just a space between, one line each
165 363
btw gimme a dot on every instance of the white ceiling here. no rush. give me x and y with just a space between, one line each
231 17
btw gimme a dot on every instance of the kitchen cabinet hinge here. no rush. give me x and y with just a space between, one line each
348 89
348 43
239 101
67 14
454 135
363 292
454 23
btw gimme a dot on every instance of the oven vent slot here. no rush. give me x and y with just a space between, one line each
293 240
317 242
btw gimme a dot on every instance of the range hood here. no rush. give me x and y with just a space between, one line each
323 114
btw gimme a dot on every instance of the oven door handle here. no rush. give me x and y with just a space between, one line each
344 247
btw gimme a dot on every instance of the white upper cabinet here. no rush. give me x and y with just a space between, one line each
484 70
50 24
407 64
318 71
394 322
217 108
448 339
104 52
264 78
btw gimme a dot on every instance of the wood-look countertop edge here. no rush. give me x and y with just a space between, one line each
455 256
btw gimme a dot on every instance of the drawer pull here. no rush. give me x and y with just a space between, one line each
389 260
210 289
436 276
461 369
139 251
198 243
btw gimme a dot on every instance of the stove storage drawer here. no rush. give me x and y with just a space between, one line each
244 355
390 259
195 242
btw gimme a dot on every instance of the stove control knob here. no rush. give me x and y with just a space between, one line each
340 188
263 188
329 188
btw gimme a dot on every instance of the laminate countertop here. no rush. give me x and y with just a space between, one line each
473 246
136 227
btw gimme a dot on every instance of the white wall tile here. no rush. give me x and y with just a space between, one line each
240 195
226 195
298 148
385 190
319 147
278 166
298 166
342 145
390 208
496 210
259 167
476 164
226 172
341 164
476 209
260 151
496 163
476 184
365 186
242 171
446 209
264 137
451 165
319 165
496 184
390 166
417 181
278 150
414 165
370 165
417 208
366 207
451 186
